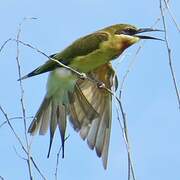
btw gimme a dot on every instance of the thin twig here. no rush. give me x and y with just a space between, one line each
24 117
130 168
37 168
81 75
129 69
19 155
57 164
57 159
172 15
169 56
130 164
35 165
124 128
22 102
132 62
4 44
11 127
2 178
20 83
13 118
126 140
19 140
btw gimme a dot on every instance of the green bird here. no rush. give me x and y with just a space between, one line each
88 107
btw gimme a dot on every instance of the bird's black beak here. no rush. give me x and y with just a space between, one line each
143 30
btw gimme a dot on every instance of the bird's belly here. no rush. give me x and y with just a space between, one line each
92 61
60 82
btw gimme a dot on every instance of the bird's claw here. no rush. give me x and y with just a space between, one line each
83 76
100 85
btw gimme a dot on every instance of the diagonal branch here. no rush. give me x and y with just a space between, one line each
172 15
169 56
57 159
26 148
2 178
13 130
14 118
4 44
22 99
19 140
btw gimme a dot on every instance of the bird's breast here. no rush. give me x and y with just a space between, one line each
60 81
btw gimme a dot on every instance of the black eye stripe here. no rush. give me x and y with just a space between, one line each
127 31
131 31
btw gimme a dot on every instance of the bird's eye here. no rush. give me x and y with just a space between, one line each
128 31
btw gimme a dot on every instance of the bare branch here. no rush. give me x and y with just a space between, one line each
129 69
4 44
1 178
37 168
124 124
27 151
11 127
57 159
13 118
22 100
20 83
132 62
19 140
169 56
172 15
19 155
124 129
35 165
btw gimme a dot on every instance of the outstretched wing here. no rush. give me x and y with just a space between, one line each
80 47
97 132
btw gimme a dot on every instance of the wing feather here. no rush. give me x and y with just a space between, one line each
97 131
80 47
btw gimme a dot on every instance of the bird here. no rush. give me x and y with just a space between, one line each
82 102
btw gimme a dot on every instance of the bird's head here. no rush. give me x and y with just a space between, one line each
128 35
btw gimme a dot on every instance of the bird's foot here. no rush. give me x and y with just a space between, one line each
83 76
101 85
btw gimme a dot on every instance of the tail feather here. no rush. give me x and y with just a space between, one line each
53 125
61 120
37 121
48 66
33 73
50 114
46 115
